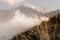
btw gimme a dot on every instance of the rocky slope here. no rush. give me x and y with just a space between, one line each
47 30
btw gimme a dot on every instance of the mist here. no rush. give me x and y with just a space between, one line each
16 21
17 24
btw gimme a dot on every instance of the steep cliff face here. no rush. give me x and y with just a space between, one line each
47 30
54 27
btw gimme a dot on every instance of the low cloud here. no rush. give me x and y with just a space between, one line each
19 23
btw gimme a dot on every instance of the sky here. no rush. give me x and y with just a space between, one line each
51 5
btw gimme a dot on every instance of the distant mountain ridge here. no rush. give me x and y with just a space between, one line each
52 13
29 12
8 14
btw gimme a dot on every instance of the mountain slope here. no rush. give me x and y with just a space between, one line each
49 30
52 13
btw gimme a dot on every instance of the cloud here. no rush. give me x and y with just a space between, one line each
22 18
32 6
12 2
44 18
19 23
